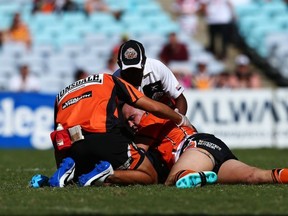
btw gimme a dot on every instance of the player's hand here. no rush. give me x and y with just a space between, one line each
184 121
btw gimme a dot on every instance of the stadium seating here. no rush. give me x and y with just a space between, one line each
246 10
74 19
7 70
52 84
12 49
275 40
63 42
73 50
101 18
264 27
43 50
8 9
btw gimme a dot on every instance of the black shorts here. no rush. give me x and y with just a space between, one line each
114 147
159 165
216 147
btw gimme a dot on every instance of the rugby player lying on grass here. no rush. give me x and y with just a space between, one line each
194 156
195 159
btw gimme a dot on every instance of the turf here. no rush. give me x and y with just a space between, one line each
16 198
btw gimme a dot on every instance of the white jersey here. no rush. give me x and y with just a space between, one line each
218 11
157 80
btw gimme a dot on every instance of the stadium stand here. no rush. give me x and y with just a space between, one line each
263 33
63 42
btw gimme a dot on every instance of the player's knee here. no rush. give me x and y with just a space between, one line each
151 176
154 178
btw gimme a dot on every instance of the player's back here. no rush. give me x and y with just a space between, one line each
92 102
165 133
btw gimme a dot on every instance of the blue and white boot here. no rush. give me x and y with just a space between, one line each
97 176
64 174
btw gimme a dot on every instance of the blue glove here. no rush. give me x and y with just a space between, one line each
38 181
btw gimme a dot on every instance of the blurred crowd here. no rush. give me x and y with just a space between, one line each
58 6
221 22
19 30
174 50
243 75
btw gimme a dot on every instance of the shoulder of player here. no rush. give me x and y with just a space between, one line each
152 61
155 66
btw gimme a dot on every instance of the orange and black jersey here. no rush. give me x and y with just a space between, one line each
163 135
93 102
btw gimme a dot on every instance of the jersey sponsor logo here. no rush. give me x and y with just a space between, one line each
93 79
209 145
126 165
76 99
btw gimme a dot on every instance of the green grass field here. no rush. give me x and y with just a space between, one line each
16 198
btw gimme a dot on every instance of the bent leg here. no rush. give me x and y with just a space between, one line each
191 159
234 171
145 174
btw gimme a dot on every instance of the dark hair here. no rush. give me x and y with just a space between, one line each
79 73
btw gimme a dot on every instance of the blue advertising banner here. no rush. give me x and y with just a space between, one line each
26 120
